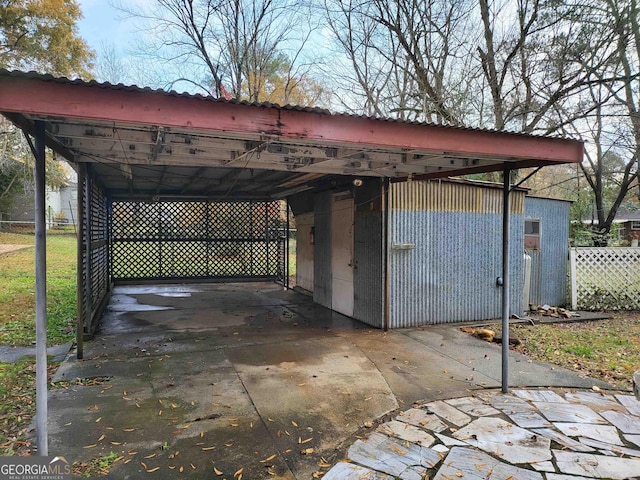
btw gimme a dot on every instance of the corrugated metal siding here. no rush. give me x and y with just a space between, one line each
549 265
322 250
450 274
368 278
443 196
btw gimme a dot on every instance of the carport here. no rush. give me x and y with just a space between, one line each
159 171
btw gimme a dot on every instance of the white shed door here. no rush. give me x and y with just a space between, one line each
342 254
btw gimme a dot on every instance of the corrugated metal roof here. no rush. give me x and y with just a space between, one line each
209 98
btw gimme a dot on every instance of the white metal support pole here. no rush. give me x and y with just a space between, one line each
41 292
506 214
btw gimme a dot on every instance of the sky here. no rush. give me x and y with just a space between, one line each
103 23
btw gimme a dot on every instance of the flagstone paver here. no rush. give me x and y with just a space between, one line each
468 464
448 413
407 432
505 440
388 455
423 419
606 433
625 423
575 435
563 440
596 466
631 403
635 439
473 406
566 412
540 396
350 471
592 398
613 448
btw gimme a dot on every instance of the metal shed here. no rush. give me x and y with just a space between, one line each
145 147
547 243
439 262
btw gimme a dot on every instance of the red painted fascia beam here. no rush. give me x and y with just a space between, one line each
78 101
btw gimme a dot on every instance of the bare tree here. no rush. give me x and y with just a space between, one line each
504 64
225 47
407 57
611 167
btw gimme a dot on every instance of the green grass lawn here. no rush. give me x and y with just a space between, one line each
17 297
17 325
605 349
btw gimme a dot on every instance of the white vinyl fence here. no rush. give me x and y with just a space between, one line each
605 278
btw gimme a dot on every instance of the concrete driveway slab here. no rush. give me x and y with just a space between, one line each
199 379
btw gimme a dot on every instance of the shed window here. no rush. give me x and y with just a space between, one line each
532 234
635 225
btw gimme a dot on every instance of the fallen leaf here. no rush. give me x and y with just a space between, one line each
305 441
307 451
116 443
90 446
150 456
144 465
98 419
206 449
268 459
239 472
294 423
155 469
101 438
217 472
128 429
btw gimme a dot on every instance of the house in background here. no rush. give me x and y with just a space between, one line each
427 252
629 225
61 206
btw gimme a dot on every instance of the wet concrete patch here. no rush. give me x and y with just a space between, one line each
252 377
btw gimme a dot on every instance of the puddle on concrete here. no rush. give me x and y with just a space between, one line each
156 290
125 303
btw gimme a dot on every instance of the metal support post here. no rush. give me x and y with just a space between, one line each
88 253
506 281
41 292
81 289
286 253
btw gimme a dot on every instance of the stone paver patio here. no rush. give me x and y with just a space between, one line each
526 434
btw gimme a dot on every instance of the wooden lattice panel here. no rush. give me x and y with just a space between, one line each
173 240
605 278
